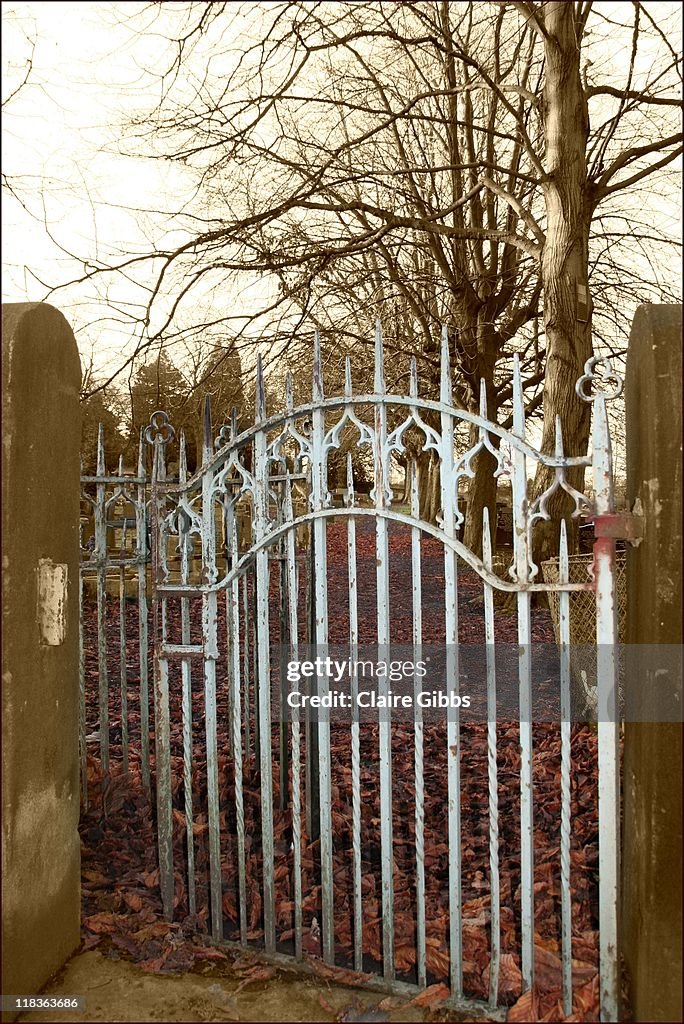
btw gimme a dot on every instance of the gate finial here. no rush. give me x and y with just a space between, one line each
518 404
413 378
159 431
182 459
483 398
445 370
379 381
208 446
141 454
100 451
317 368
260 400
589 377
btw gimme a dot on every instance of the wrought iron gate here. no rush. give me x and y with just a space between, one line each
225 540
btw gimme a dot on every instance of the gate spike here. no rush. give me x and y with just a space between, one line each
483 399
445 369
182 459
289 392
208 446
100 451
233 423
141 454
317 368
559 439
121 466
486 540
563 559
518 404
379 382
260 401
347 378
413 378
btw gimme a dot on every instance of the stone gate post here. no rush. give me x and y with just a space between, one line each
41 377
652 843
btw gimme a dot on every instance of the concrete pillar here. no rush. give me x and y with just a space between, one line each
652 858
41 377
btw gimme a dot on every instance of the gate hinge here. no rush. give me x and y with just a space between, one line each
620 526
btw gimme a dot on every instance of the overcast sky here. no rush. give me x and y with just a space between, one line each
62 146
58 136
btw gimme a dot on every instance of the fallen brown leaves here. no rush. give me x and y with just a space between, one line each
121 903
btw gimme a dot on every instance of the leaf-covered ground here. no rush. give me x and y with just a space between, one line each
122 910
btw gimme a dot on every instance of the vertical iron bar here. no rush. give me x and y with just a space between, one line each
101 557
122 636
495 900
211 654
255 662
448 502
292 592
141 554
522 569
284 593
162 738
565 708
607 718
234 639
185 543
245 655
355 728
313 818
261 526
417 609
319 495
383 629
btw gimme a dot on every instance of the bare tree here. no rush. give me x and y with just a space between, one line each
473 164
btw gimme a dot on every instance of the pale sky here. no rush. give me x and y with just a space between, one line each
59 135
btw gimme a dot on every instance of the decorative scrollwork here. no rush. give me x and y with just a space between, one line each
159 430
224 436
333 438
275 451
463 467
183 520
231 472
589 378
538 510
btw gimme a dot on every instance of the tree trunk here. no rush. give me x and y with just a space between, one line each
564 265
481 495
428 486
482 488
424 489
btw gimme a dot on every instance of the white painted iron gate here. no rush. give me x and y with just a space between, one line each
234 590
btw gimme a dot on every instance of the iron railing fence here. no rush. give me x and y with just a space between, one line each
278 845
